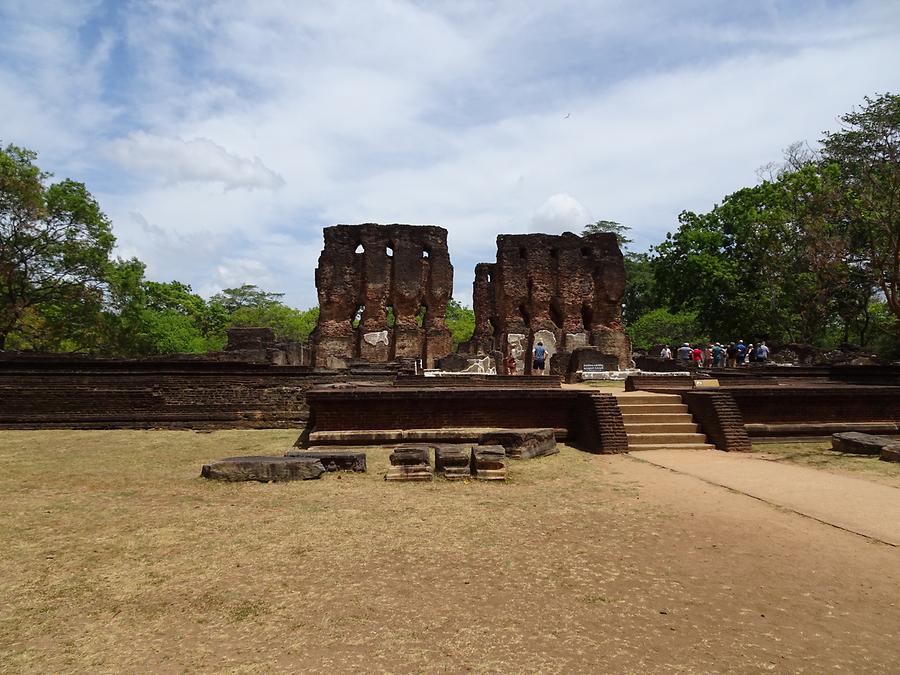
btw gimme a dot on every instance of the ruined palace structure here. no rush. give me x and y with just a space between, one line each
383 292
563 290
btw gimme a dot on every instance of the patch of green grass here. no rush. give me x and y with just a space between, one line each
820 455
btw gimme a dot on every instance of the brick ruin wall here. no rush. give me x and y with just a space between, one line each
591 421
102 394
563 290
370 273
817 410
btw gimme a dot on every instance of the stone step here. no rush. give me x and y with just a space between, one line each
680 427
667 446
665 439
653 408
654 418
629 398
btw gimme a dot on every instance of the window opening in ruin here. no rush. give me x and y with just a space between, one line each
389 249
359 249
585 251
526 317
390 318
530 287
523 253
494 329
420 315
490 278
356 319
554 253
587 317
555 315
426 253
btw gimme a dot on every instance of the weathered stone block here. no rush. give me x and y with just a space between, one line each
891 453
453 461
489 462
523 443
410 454
334 460
859 444
410 472
263 469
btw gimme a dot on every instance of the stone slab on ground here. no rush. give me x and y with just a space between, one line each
891 453
489 462
263 469
859 443
853 504
334 460
523 443
411 454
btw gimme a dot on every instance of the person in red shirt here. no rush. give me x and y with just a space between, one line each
697 355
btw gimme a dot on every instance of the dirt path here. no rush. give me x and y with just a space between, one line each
581 563
853 504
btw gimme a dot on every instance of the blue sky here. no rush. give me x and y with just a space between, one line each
221 137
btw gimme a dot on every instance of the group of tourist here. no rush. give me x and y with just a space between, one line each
716 355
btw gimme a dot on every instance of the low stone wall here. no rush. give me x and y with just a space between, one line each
105 394
376 408
462 381
817 410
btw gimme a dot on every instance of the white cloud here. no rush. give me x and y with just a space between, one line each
175 160
451 114
560 213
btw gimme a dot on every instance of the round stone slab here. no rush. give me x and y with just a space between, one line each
263 469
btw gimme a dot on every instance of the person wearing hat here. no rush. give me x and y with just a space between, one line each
685 353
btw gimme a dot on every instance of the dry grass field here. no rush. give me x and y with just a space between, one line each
117 557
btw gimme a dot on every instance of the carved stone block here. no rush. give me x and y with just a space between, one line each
263 469
489 462
523 443
334 460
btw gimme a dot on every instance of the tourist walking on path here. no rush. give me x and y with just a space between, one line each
685 353
665 353
717 354
731 352
540 358
741 352
762 353
697 355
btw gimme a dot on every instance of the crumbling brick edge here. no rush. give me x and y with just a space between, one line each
598 424
719 418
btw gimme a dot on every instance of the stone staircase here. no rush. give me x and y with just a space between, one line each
658 421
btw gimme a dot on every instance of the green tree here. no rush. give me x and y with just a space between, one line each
660 326
611 227
867 151
770 260
461 322
54 243
249 305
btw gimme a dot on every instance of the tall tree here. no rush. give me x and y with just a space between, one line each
611 227
54 240
867 150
